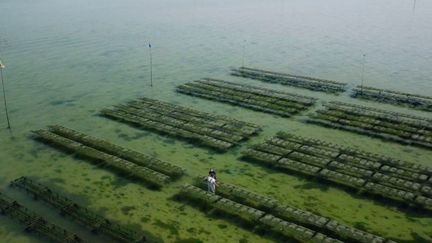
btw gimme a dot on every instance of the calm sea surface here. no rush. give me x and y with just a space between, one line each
66 60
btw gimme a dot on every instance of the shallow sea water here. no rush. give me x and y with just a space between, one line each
66 60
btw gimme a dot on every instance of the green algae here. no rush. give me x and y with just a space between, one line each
126 210
171 226
222 226
188 240
101 82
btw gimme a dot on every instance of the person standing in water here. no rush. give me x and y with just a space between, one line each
211 183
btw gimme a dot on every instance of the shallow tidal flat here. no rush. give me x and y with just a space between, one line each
65 72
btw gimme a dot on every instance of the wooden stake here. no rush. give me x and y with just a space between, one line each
243 54
4 94
362 74
151 67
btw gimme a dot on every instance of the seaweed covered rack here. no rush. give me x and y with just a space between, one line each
217 132
419 102
298 216
270 215
399 127
80 214
390 178
35 223
149 169
252 97
253 216
315 84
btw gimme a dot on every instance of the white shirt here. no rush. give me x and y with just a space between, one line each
211 180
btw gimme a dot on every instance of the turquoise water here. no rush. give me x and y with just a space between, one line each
66 60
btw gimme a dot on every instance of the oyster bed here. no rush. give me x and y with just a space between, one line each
35 223
390 178
218 132
252 97
415 101
94 222
315 84
144 167
399 127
